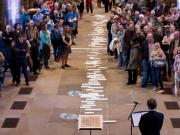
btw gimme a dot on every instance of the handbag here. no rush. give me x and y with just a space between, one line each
159 63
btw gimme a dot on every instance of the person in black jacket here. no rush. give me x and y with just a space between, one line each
21 49
146 50
151 122
108 26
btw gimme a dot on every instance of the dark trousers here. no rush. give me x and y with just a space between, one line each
57 50
167 68
132 76
147 76
21 66
106 6
13 70
46 54
1 79
89 7
35 58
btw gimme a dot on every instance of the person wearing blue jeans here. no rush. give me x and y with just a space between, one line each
146 73
157 56
146 50
156 77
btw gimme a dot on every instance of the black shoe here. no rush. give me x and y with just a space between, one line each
27 83
57 60
63 67
36 73
129 83
46 67
73 43
18 83
66 65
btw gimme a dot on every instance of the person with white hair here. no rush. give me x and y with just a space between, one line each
141 20
8 37
135 17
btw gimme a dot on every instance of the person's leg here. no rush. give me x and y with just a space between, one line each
13 71
115 54
169 64
129 77
63 61
145 73
91 8
134 80
66 61
160 81
18 73
154 77
120 60
46 54
87 8
125 60
55 51
110 6
24 69
106 7
59 52
149 77
176 84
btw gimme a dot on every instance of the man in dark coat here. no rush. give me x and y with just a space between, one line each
21 49
151 122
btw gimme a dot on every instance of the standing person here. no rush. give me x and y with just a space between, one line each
34 50
151 122
7 38
66 49
166 48
57 42
108 26
158 59
89 6
81 8
174 45
146 49
45 39
71 20
133 64
21 49
177 72
128 36
1 70
106 5
120 36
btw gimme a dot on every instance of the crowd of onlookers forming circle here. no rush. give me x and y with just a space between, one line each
145 38
26 45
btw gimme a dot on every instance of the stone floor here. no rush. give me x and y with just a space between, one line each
38 109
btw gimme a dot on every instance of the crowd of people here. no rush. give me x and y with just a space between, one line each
144 37
26 46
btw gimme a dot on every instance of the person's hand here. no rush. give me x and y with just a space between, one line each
175 51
